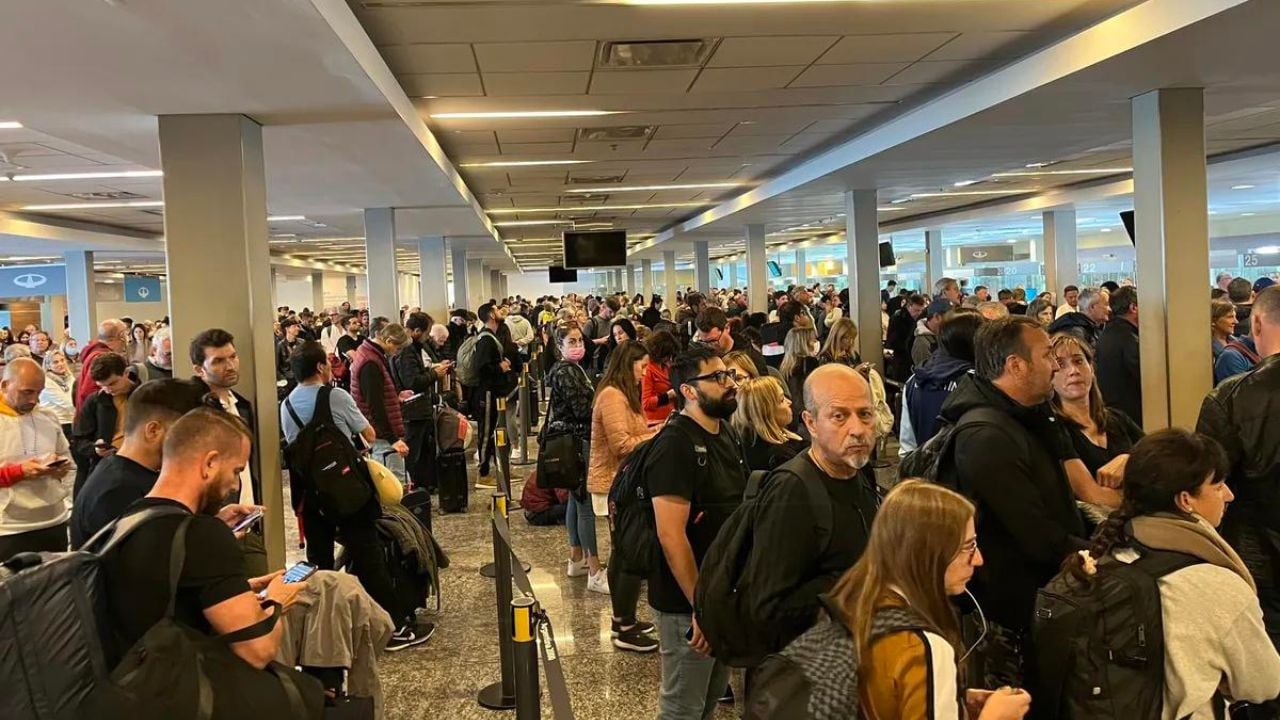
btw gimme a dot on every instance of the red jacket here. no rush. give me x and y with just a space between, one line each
84 385
535 499
653 393
387 421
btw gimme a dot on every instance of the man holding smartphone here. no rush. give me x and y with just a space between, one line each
35 462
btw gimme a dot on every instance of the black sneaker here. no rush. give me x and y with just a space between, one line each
635 641
410 635
643 628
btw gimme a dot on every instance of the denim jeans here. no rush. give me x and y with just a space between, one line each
580 518
691 683
382 452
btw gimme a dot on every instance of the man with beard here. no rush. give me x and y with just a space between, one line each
159 363
801 556
696 474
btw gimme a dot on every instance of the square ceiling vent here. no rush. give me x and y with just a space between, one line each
655 53
595 179
110 195
616 134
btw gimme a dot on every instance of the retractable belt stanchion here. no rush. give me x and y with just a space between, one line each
502 694
524 416
524 634
502 459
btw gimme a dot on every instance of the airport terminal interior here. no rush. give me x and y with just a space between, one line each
259 198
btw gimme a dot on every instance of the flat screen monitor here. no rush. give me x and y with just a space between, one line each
719 274
558 274
1126 217
774 270
603 248
887 258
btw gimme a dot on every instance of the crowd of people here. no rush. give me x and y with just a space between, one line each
755 434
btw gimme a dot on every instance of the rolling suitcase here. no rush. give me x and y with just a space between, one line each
418 502
451 479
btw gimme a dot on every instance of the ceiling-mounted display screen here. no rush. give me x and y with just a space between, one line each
602 248
557 274
774 269
887 257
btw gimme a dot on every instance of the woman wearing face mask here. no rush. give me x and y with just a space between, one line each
569 410
1102 436
761 421
892 610
617 427
1215 640
59 389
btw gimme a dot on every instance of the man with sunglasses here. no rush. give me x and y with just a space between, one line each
696 473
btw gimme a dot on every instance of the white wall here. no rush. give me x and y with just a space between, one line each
111 304
293 291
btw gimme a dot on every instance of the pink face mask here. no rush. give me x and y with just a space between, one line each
576 354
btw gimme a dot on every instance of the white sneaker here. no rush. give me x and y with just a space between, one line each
577 568
598 582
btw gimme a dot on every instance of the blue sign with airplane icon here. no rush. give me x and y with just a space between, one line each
141 288
33 280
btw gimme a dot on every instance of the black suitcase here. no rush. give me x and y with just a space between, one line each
451 479
418 503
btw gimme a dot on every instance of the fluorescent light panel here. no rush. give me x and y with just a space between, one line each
523 163
963 193
653 188
10 125
723 2
1092 171
98 206
520 223
524 114
592 208
85 176
285 218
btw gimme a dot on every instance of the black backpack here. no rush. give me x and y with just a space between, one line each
928 460
324 467
816 676
721 600
1100 645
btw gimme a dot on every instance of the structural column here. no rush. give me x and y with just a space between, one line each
733 273
476 279
646 280
495 285
702 266
317 292
1061 266
433 295
802 272
669 276
215 226
631 281
82 296
52 312
502 285
351 289
1171 210
863 244
458 263
935 258
757 286
380 261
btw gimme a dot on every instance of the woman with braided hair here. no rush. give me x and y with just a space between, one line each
1215 643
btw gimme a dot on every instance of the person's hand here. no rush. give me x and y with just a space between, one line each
46 466
1111 475
699 642
235 512
401 448
103 450
282 592
975 699
445 366
259 584
1006 704
601 340
506 366
406 394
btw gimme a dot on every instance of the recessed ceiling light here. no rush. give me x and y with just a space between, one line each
1091 171
890 209
523 163
85 176
1037 164
1247 214
593 208
1241 187
650 188
285 218
10 125
1105 230
96 206
963 193
524 114
964 183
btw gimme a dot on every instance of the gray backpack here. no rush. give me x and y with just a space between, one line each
467 370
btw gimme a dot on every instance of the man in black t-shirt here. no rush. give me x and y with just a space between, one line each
123 478
696 475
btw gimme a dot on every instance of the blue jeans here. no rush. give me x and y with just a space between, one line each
580 518
382 452
691 683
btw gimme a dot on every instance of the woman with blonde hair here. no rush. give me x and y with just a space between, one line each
740 361
761 421
842 347
892 611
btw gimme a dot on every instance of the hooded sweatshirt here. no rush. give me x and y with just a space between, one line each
27 505
924 394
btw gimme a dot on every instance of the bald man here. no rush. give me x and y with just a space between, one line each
815 512
35 459
113 336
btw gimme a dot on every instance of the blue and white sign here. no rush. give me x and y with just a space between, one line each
141 288
31 280
6 319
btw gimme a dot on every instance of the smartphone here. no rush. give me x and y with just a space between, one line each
248 521
60 462
300 572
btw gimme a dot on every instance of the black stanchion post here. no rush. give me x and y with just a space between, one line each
524 417
502 461
524 625
502 694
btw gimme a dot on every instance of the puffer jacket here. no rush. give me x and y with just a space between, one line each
616 430
569 409
1243 415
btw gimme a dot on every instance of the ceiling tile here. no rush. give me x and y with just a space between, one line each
680 145
750 145
536 56
904 47
779 127
765 51
441 85
429 58
979 45
805 140
470 147
745 79
641 81
672 132
930 71
536 136
857 74
536 83
833 125
539 149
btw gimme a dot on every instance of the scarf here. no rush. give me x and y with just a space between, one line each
1165 531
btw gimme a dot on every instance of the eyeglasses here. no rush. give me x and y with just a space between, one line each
968 551
724 377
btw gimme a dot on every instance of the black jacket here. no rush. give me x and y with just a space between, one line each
1243 415
901 333
1078 324
1119 369
410 372
96 420
1027 519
